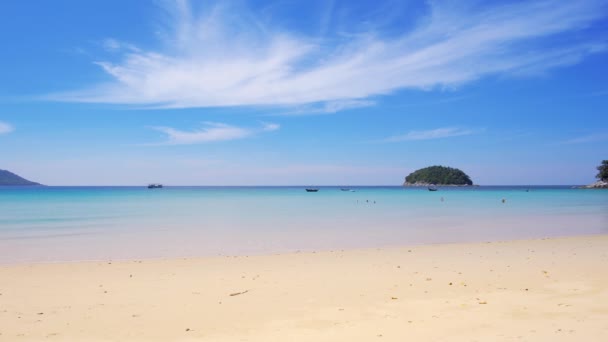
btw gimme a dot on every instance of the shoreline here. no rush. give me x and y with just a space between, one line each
303 251
552 289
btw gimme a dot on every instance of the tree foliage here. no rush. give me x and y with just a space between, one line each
440 175
603 171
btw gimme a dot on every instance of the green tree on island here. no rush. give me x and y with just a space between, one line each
603 171
439 175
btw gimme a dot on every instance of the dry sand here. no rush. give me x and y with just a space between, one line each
537 290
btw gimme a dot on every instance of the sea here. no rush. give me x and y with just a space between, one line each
63 224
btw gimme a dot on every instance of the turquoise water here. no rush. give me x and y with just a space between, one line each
78 223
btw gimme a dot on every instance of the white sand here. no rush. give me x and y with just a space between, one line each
537 290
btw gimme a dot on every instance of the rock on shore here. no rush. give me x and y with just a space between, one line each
597 185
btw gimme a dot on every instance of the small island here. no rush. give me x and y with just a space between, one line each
602 177
438 175
8 178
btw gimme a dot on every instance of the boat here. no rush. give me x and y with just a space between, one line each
155 186
432 187
346 189
311 190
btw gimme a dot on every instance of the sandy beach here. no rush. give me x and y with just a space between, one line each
531 290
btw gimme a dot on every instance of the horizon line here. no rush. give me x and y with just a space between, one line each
291 185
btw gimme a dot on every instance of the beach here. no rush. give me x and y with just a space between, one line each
304 171
529 290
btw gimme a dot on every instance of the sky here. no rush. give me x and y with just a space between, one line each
316 92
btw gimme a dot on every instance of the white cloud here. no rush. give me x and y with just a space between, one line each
113 45
269 127
224 58
337 106
438 133
6 128
211 132
328 107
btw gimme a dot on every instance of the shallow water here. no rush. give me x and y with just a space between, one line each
85 223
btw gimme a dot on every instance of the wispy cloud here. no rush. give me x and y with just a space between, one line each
329 107
217 58
587 139
211 132
6 128
114 45
269 127
337 106
438 133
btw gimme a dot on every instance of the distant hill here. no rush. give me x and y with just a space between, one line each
438 175
9 178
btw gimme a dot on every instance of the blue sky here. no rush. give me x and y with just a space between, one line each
302 92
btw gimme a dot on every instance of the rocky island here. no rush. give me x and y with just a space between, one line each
9 178
438 175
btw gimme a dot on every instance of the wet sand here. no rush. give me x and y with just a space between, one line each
532 290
